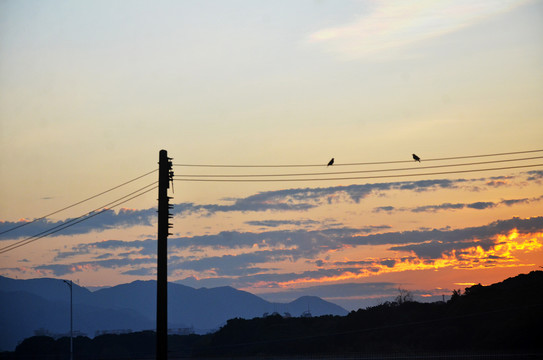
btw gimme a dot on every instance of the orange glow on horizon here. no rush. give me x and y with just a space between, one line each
501 254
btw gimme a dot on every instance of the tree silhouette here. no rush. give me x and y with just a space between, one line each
403 296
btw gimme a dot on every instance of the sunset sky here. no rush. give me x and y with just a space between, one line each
90 91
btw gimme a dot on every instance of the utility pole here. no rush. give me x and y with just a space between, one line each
70 284
165 174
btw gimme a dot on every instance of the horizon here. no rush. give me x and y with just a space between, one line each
379 301
511 308
252 100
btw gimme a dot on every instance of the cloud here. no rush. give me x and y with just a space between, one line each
56 269
436 249
278 223
384 209
140 247
479 205
497 183
265 247
434 208
396 24
108 219
302 242
233 265
249 204
63 269
436 244
256 258
512 202
301 199
535 175
530 225
298 199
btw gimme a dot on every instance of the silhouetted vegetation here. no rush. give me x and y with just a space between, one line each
504 317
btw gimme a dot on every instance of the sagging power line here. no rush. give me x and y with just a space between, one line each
284 177
357 163
181 178
328 173
79 202
106 207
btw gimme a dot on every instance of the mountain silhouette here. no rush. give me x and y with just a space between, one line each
501 320
28 305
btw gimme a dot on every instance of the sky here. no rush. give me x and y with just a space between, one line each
91 91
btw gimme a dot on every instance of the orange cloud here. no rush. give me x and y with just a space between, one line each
502 254
83 267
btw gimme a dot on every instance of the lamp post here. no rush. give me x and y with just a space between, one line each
69 283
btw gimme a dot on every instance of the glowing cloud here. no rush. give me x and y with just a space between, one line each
502 253
394 24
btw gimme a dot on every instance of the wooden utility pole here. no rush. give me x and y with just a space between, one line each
165 173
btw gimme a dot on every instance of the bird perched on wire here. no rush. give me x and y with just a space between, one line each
416 158
331 162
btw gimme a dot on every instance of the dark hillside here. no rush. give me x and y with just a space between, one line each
496 320
504 317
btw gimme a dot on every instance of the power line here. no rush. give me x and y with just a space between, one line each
353 164
356 172
81 218
180 178
74 221
78 203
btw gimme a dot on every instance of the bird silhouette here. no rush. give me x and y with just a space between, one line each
331 162
416 158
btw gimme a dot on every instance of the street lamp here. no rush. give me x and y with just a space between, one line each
69 283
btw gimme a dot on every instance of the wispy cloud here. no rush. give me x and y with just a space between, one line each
297 199
121 262
256 258
535 175
396 24
530 225
478 205
108 219
278 223
300 199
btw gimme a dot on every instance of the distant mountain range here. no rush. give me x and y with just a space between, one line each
29 305
501 320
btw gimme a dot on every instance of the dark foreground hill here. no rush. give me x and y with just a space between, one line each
503 318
